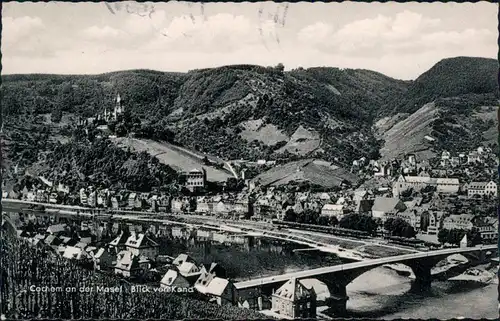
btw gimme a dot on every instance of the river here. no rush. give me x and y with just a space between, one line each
382 293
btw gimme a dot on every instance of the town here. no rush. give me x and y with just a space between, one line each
416 205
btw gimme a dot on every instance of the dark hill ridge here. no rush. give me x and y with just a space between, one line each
449 78
253 112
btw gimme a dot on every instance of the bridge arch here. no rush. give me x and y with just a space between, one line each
421 267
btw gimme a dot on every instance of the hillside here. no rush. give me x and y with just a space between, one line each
450 77
252 112
322 110
313 171
168 155
454 103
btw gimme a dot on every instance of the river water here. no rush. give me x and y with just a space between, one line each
379 293
382 293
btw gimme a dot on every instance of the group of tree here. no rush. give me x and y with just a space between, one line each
101 163
359 222
309 216
399 227
455 236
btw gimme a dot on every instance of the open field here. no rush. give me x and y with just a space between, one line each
173 156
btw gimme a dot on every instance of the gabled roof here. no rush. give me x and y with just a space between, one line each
477 185
51 240
75 253
188 268
126 261
58 228
181 258
294 290
170 277
386 204
120 239
217 286
140 240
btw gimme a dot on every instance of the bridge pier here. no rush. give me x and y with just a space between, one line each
423 276
337 302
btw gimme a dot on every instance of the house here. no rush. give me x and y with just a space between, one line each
432 222
53 197
482 188
411 217
118 243
181 258
52 240
383 170
461 222
417 183
387 206
473 157
83 197
180 232
216 269
364 206
196 179
203 235
219 290
360 195
174 279
81 245
178 205
132 199
204 207
487 227
92 199
294 300
115 204
75 253
141 245
129 265
163 203
56 229
190 271
333 210
103 259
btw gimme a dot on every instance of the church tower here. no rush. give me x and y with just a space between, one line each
118 104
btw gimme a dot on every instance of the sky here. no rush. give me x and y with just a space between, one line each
401 40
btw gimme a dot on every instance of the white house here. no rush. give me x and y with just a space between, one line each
482 188
462 221
333 210
141 245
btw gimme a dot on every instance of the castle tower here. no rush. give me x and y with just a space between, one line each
118 104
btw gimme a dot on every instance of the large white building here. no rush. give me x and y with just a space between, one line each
482 188
460 222
443 185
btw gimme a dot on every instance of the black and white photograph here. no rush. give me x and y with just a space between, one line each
248 161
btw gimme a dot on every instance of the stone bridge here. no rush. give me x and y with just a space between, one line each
339 276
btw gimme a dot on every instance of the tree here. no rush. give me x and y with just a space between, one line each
280 67
290 215
443 236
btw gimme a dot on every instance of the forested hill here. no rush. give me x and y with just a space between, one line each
252 112
450 77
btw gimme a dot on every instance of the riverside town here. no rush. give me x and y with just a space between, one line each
171 161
